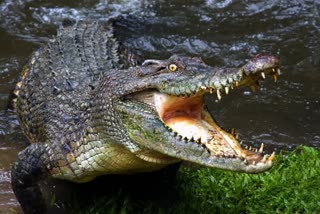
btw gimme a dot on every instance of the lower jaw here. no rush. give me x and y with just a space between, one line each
208 133
186 116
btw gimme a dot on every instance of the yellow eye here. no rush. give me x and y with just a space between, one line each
173 67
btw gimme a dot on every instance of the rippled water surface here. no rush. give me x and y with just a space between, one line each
223 33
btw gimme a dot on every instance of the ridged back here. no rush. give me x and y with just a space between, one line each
53 94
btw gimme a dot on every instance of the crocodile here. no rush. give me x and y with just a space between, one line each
88 107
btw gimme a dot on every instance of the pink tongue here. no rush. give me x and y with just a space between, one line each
169 106
216 141
191 127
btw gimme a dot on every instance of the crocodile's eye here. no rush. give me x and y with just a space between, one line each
173 67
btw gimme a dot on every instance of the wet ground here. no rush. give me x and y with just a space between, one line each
224 33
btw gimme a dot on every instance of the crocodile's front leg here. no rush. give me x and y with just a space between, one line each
30 168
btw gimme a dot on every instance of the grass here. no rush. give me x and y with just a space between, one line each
291 186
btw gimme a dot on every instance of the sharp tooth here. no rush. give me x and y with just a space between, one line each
263 75
237 83
273 70
199 140
278 71
261 148
254 163
271 158
241 142
218 94
233 132
250 148
264 159
245 161
237 136
226 89
275 78
256 150
211 90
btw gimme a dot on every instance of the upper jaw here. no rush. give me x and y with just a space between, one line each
221 81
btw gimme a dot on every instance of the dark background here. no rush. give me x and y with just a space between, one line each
224 33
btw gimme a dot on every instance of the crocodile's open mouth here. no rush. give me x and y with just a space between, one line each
187 117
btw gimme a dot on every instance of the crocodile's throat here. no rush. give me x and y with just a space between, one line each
187 117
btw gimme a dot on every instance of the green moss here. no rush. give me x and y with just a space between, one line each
291 186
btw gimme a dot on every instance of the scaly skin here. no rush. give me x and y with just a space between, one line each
86 112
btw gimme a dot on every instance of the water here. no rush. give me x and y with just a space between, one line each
223 32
